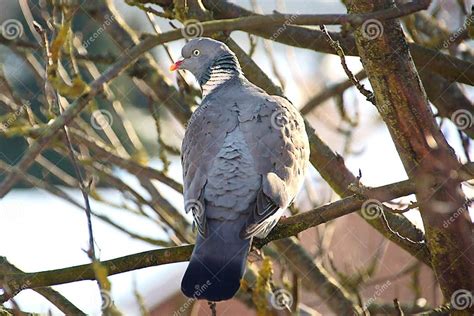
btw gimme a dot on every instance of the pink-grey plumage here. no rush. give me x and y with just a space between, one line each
244 157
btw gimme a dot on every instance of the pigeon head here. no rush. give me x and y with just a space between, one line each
203 56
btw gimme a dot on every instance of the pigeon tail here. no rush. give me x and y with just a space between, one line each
217 263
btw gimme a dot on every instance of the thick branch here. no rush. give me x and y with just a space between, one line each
50 294
20 281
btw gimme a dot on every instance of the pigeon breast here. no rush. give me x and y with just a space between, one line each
232 181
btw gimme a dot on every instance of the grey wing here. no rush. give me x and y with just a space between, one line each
276 135
204 136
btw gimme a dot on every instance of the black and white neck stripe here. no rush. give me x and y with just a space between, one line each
224 68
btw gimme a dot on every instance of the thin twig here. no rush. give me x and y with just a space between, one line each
77 170
408 269
340 52
85 195
150 10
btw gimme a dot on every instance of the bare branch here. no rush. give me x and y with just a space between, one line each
340 52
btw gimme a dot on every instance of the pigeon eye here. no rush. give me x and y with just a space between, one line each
196 52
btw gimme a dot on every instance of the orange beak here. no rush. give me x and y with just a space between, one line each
176 65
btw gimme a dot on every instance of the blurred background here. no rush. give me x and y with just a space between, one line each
43 230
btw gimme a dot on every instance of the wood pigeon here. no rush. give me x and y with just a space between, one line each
244 157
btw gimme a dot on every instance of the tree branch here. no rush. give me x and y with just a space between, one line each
285 228
340 52
20 281
50 294
353 19
449 67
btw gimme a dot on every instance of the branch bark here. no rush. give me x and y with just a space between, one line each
50 294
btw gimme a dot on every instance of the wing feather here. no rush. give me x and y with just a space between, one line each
205 134
274 131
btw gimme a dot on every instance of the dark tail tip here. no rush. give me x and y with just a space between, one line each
209 280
